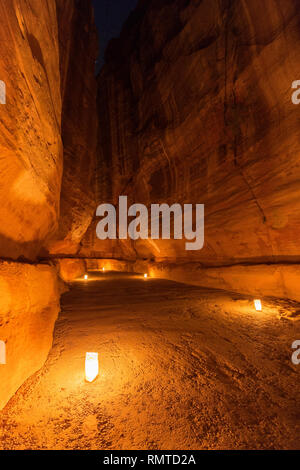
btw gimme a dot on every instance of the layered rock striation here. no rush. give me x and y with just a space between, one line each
29 307
31 162
78 46
195 107
48 144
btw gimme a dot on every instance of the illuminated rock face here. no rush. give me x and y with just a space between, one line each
47 63
47 168
196 107
278 280
78 51
70 269
29 305
30 140
109 265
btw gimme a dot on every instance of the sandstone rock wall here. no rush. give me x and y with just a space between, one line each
47 168
31 152
48 126
70 269
109 265
78 51
258 281
196 107
29 305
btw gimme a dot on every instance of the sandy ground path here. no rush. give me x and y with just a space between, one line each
180 368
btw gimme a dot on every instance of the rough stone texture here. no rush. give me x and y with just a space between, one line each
109 265
78 51
196 107
29 305
47 52
92 247
30 122
47 63
70 269
279 280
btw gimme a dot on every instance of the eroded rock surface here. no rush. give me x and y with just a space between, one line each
30 122
47 187
196 107
78 51
47 168
70 269
29 305
277 280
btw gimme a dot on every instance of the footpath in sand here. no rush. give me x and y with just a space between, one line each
180 368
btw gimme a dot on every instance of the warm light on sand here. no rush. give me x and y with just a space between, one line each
91 366
257 304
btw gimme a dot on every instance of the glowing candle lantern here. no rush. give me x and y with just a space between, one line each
257 304
145 276
2 92
103 269
86 277
2 352
91 366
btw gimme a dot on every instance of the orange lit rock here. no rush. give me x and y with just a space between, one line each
47 192
196 107
109 265
78 51
47 188
70 269
30 141
92 247
258 280
29 305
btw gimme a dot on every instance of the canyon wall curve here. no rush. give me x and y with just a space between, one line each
47 167
200 111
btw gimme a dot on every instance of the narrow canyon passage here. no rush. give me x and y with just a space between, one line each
158 137
181 367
